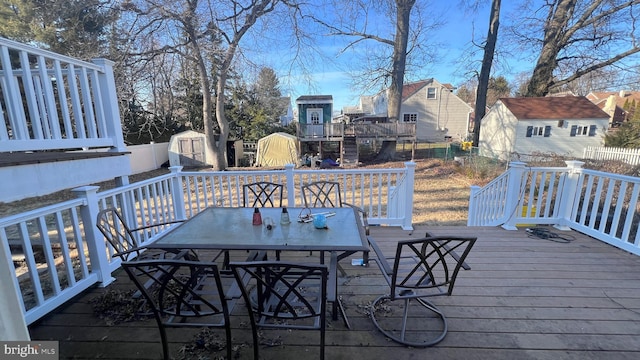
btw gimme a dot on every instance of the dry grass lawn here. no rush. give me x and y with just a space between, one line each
441 194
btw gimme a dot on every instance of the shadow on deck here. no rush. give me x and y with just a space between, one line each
524 298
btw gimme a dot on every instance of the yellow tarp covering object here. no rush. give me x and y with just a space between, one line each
277 149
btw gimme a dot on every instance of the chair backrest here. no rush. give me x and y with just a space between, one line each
183 294
115 230
262 194
188 289
284 295
428 266
322 194
284 291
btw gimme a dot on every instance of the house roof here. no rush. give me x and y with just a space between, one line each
568 107
620 97
411 88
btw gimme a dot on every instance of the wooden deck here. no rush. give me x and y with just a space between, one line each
524 298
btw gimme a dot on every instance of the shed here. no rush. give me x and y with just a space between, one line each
525 126
187 149
277 149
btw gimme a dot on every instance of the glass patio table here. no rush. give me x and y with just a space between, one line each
225 228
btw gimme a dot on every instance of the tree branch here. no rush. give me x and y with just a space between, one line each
608 62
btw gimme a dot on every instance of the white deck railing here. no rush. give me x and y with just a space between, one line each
51 101
60 252
603 205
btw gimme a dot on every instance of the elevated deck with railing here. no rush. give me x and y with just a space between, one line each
361 131
52 106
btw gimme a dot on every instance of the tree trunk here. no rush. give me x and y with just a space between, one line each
485 71
399 59
223 123
211 152
542 78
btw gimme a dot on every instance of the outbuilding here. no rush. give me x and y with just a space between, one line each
519 127
277 149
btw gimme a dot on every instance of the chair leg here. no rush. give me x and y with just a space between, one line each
165 344
402 339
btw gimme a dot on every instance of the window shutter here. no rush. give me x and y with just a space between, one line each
592 130
529 131
547 131
574 129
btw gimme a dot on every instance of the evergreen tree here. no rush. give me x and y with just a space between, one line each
71 27
626 136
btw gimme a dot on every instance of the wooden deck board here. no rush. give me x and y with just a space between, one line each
524 298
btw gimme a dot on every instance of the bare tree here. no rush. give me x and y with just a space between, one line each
485 71
580 35
207 34
359 20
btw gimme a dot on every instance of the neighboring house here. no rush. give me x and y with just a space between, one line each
286 110
522 126
438 113
614 102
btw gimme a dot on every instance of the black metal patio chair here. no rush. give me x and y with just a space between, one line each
286 295
125 245
262 194
327 194
186 294
421 268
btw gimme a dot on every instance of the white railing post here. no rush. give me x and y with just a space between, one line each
514 191
13 99
177 192
568 194
94 239
291 186
472 211
409 182
110 104
13 326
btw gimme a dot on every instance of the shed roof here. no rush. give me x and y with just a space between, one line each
568 107
314 98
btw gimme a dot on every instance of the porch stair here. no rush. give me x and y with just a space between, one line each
350 154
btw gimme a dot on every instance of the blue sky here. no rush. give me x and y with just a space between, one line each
457 32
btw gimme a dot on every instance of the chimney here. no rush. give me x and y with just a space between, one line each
622 93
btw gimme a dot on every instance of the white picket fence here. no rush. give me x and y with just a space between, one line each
603 205
629 156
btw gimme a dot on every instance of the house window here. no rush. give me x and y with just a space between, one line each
410 118
538 131
431 93
583 130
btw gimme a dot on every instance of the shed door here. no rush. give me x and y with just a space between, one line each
191 151
315 127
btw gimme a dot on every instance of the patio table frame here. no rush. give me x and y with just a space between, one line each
224 228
